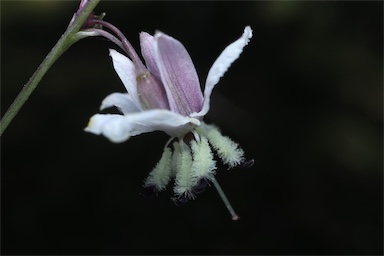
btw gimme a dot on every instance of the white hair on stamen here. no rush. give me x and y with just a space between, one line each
229 151
183 180
203 165
161 174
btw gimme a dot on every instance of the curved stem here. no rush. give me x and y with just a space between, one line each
66 40
125 44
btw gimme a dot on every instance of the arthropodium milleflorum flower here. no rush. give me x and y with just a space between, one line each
165 95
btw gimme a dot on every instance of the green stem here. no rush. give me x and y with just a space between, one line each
66 40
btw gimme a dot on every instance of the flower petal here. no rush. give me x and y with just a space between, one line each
221 65
126 71
178 75
147 44
175 125
115 127
123 101
119 128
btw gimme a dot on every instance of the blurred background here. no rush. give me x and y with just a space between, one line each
304 100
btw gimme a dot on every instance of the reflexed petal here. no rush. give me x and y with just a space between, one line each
123 101
147 44
119 128
115 127
126 71
221 65
178 75
173 124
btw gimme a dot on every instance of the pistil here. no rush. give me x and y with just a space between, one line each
225 199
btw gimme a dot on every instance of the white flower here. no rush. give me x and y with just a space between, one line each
165 95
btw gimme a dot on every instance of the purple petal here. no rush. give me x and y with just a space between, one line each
146 91
147 44
178 75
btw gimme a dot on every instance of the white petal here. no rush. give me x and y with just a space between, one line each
221 65
115 127
126 71
175 125
123 101
119 128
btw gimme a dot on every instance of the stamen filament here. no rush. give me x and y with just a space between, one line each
169 141
196 135
225 199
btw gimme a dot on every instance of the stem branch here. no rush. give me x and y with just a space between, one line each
66 40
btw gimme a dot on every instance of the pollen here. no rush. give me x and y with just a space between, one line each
89 122
142 76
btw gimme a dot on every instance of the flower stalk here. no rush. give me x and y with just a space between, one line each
70 36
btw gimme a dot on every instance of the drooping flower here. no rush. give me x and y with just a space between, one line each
165 95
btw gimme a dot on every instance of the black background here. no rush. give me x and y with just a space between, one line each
304 100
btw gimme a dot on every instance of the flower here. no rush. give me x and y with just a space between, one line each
165 95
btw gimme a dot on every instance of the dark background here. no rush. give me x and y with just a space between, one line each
304 100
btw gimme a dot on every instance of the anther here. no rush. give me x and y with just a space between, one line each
180 200
148 191
247 163
200 186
